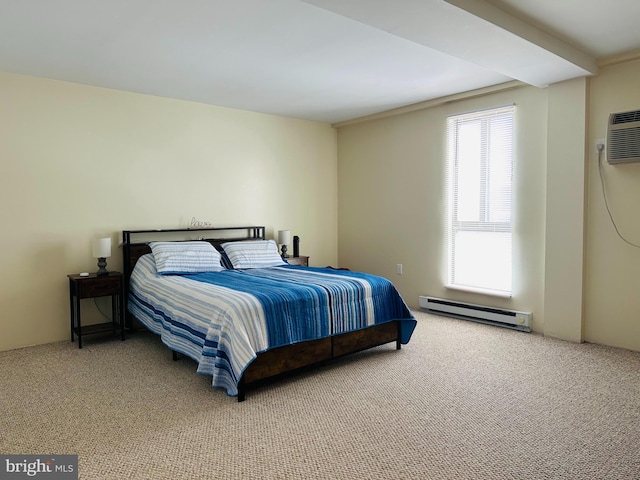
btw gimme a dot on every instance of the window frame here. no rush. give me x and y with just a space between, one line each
484 224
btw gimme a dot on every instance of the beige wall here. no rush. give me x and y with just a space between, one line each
565 213
612 293
572 271
79 161
391 177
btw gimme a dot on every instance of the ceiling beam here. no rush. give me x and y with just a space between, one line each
509 23
474 31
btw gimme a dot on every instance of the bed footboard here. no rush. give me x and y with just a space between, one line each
286 359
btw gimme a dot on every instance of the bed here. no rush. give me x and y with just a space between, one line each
243 314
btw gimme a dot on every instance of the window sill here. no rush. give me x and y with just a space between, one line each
483 291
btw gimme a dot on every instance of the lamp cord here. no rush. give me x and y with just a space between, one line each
606 203
106 317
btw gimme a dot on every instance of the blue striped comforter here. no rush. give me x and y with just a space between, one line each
224 319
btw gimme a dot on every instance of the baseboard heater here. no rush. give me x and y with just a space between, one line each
477 313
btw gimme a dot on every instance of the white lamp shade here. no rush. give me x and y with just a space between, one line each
284 237
102 247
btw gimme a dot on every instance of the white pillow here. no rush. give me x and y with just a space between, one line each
173 258
253 254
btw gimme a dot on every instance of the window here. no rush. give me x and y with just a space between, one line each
480 165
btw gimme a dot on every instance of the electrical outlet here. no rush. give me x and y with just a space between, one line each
399 269
600 144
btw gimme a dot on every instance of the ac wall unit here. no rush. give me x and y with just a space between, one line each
477 313
623 137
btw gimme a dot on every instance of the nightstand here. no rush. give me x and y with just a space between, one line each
301 260
93 286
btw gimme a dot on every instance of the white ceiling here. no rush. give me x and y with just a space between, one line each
324 60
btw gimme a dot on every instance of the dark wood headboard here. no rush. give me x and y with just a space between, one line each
132 251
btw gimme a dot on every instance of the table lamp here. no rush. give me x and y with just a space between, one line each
102 250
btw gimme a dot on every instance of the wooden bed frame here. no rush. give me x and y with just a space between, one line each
278 361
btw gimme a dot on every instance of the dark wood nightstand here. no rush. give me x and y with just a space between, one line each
301 260
92 286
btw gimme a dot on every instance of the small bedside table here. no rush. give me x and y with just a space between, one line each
96 286
301 260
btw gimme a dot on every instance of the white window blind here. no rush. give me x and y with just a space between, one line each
480 166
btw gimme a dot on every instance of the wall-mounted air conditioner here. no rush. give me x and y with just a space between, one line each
623 137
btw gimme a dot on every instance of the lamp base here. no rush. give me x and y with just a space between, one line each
102 266
284 252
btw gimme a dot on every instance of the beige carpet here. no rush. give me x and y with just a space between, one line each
460 401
